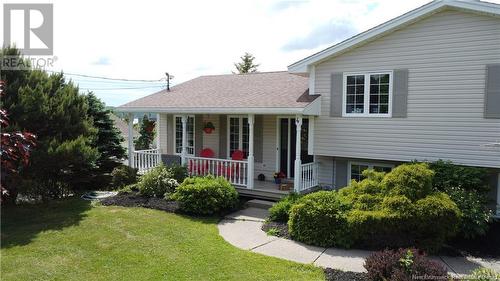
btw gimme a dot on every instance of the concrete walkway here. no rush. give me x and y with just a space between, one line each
243 230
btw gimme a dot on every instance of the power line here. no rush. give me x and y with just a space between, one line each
106 78
124 88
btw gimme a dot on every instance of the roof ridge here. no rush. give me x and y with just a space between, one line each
244 74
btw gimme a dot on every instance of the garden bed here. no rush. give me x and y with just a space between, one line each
136 200
281 229
339 275
487 246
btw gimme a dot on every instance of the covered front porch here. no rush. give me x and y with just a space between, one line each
246 149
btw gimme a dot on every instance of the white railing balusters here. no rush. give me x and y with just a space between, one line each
309 176
233 170
145 160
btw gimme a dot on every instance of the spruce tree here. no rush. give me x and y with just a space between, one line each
146 134
108 139
246 65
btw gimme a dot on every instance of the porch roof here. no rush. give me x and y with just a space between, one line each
260 93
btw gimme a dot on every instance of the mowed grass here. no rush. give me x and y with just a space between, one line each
72 240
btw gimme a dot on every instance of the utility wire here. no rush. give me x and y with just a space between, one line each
124 88
106 78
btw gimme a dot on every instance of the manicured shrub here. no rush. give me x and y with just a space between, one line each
320 219
179 172
475 214
436 219
402 265
205 195
123 175
448 175
484 274
157 182
280 211
411 180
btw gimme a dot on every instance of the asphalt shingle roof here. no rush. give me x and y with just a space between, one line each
255 90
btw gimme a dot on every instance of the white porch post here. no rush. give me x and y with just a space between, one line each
131 140
298 163
250 158
184 139
158 124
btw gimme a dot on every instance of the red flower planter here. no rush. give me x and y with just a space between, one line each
208 130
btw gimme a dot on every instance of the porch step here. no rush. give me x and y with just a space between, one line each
260 194
260 204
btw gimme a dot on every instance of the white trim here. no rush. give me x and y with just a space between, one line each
175 132
310 136
221 110
278 145
312 79
366 111
392 25
369 164
240 137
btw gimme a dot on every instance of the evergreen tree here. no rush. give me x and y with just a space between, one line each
246 65
108 140
56 113
146 134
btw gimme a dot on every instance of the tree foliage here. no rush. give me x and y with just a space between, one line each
15 150
247 64
108 139
51 108
146 134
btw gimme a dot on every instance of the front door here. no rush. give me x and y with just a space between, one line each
287 141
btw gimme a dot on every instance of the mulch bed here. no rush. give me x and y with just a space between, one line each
339 275
281 227
487 246
135 200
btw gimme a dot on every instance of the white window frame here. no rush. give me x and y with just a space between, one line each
366 105
194 135
370 165
240 132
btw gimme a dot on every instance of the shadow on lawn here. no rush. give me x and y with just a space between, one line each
20 224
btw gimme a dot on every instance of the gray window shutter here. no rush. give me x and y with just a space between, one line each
258 137
223 136
336 95
400 93
198 135
492 94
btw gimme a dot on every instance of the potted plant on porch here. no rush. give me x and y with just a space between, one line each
278 176
209 127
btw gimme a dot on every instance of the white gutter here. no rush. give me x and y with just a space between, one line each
221 110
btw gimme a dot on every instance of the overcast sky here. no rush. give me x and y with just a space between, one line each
144 39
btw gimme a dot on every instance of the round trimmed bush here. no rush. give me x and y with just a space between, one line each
123 175
320 219
280 211
411 180
437 218
205 195
157 182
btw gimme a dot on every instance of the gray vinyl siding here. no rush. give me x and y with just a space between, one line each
446 57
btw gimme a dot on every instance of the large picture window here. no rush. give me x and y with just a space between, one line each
190 135
367 94
238 135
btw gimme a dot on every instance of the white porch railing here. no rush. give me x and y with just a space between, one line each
145 160
234 171
309 176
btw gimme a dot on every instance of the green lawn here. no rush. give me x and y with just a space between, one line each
72 240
